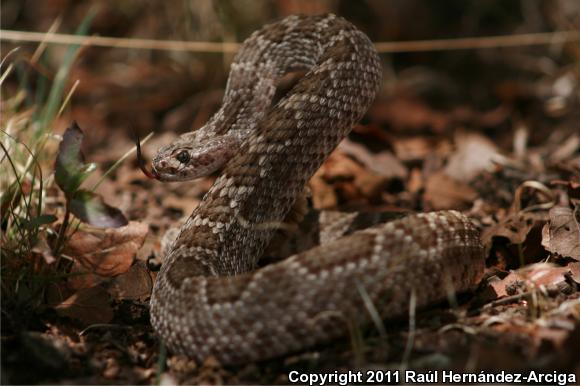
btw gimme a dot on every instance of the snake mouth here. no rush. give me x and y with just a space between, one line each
152 174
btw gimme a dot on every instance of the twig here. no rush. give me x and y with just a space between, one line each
508 300
473 43
104 325
105 41
469 43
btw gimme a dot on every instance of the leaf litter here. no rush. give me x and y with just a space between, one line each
509 159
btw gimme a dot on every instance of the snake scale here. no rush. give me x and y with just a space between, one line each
209 299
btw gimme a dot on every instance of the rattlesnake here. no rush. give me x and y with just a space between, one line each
209 299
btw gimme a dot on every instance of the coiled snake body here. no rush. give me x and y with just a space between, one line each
208 298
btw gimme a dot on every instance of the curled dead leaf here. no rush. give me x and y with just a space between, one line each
549 276
514 227
342 176
474 154
561 234
107 252
323 195
135 284
43 248
340 166
445 192
383 163
414 148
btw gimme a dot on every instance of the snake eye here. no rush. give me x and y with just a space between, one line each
183 156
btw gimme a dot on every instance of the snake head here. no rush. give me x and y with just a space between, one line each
188 158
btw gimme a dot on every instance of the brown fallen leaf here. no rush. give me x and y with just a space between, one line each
514 227
107 252
323 194
474 154
43 248
135 284
535 275
82 277
340 166
445 192
415 182
561 234
549 275
566 149
370 184
89 305
342 174
383 163
517 223
413 148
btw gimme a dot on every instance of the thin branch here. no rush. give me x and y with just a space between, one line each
470 43
474 43
104 41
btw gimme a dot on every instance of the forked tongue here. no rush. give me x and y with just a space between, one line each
141 161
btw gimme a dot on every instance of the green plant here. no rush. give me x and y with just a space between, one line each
32 171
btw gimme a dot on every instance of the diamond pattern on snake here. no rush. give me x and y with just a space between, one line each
209 298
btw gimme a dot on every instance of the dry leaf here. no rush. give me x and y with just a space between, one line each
415 182
561 234
548 275
323 194
383 163
474 154
514 227
81 277
444 192
135 284
343 174
574 270
369 184
107 252
567 149
42 248
536 275
89 305
497 289
340 166
413 148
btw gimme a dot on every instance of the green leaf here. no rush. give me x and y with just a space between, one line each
90 208
38 221
70 169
